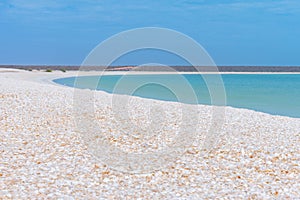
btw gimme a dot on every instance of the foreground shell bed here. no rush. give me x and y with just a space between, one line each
42 155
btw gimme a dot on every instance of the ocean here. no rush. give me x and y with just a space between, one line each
277 94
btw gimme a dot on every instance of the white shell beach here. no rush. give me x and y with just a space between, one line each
256 156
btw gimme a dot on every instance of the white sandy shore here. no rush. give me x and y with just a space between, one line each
42 156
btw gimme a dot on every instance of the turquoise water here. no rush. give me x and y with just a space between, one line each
277 94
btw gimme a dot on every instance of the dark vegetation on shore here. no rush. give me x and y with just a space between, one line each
159 68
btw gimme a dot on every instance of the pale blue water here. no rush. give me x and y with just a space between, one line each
277 94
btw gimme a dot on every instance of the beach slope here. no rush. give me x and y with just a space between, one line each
257 155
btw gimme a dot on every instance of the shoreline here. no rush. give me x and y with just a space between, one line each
48 77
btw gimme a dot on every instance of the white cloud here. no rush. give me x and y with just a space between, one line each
117 10
277 6
33 4
55 9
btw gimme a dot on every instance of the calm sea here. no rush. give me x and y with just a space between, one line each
277 94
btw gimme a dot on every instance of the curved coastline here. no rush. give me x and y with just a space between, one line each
41 149
289 112
47 78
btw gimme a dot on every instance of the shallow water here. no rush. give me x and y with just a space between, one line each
277 94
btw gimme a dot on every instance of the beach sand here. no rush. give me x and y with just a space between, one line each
256 156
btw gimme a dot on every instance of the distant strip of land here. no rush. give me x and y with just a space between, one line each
159 68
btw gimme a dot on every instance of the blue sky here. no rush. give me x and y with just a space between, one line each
233 32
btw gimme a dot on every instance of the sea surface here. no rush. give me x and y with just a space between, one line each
277 94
